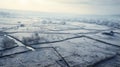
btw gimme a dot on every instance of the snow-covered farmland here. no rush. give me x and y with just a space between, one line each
58 43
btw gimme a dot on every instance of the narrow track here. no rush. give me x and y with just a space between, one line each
107 43
58 40
102 41
20 43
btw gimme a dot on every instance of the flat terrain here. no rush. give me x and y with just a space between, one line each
73 44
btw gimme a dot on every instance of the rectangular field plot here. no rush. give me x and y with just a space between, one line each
38 58
82 52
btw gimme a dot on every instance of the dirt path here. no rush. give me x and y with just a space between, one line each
19 43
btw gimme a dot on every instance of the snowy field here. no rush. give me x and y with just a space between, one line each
43 42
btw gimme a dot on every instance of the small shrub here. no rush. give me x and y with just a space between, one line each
7 43
35 38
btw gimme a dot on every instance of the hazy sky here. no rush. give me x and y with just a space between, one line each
65 6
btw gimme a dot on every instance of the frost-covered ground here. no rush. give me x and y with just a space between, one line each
58 43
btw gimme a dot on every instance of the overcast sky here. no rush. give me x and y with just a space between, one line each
65 6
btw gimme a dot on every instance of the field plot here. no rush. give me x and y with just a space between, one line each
39 58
